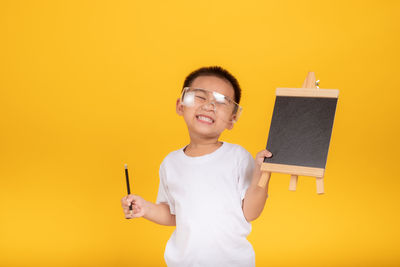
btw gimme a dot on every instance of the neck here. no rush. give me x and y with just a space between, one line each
200 147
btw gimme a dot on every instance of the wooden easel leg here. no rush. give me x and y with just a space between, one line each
264 179
293 182
320 185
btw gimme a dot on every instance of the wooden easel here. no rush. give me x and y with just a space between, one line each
309 82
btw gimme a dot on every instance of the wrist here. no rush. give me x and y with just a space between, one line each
257 172
145 207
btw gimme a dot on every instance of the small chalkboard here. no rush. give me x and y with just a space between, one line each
300 130
300 133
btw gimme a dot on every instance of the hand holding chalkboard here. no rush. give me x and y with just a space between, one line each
300 133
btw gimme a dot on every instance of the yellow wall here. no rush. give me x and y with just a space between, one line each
86 86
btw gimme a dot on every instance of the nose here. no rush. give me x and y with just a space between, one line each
210 105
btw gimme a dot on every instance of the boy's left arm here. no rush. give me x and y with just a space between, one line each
254 200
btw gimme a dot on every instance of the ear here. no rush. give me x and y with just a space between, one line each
179 107
231 123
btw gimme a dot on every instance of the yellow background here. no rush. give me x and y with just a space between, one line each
86 86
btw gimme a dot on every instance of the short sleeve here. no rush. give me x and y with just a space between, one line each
163 195
246 167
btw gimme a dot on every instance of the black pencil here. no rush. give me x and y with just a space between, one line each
127 183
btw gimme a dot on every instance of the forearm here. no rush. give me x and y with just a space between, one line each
159 213
256 196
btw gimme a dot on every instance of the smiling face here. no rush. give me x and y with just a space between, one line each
207 120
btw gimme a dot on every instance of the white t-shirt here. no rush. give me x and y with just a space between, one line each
205 193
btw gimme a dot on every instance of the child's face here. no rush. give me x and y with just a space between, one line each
207 120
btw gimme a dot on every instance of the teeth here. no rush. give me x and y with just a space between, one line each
205 119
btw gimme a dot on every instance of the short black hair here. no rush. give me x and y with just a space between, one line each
217 72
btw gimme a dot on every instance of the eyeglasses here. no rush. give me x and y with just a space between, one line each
199 96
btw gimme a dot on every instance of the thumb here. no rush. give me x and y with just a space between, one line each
267 154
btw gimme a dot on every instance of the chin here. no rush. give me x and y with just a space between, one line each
204 133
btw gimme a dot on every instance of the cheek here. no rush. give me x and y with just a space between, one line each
225 116
188 113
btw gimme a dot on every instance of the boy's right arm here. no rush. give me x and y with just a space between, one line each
158 213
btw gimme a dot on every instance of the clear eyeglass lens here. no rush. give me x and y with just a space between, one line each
201 96
220 98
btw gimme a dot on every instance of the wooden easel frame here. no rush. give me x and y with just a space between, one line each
309 89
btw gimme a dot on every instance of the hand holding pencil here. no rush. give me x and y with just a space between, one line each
132 205
138 206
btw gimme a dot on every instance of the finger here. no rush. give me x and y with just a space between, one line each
136 209
132 214
267 153
138 214
126 211
126 204
131 199
126 208
129 216
123 201
127 200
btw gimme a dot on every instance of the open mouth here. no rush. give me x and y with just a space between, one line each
205 119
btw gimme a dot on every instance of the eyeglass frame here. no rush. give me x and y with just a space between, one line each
237 110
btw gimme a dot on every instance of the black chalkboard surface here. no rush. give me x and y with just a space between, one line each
301 129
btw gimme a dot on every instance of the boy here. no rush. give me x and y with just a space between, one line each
208 189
